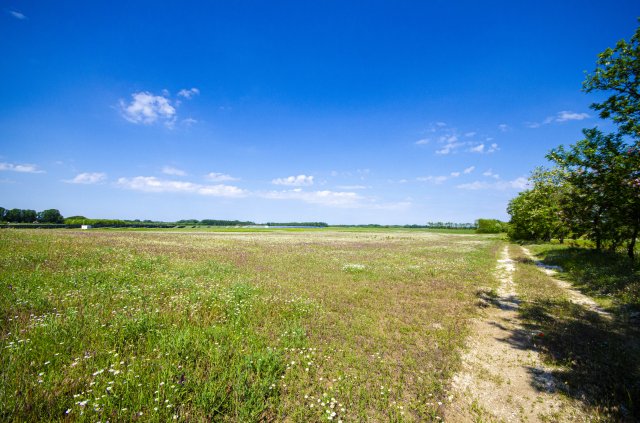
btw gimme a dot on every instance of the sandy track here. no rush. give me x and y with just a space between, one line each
503 377
575 296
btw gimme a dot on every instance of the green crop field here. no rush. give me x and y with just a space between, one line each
305 325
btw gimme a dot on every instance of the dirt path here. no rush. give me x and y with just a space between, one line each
575 296
502 377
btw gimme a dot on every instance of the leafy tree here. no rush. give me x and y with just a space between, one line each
490 226
3 211
29 216
603 172
50 216
537 213
618 70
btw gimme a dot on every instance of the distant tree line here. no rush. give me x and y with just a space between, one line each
219 222
30 216
491 226
314 224
593 189
214 222
450 225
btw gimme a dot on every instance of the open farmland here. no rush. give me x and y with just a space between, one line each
266 325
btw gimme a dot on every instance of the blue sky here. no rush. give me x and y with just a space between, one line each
345 112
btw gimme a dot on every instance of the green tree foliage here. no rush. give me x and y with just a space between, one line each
490 226
20 216
604 174
50 216
29 216
3 211
617 71
537 213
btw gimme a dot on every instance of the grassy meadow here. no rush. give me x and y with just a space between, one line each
278 325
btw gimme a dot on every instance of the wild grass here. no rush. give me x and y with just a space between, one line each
597 360
612 278
200 326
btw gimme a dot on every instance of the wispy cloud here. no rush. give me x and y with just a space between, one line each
146 108
565 116
562 116
489 173
326 198
296 181
434 179
353 187
87 178
189 121
188 93
449 140
517 184
338 199
443 178
169 170
482 148
503 127
17 15
153 184
22 168
220 177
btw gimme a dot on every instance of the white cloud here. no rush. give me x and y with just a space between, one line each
503 127
153 184
351 187
326 198
189 121
565 115
22 168
168 170
482 148
295 181
477 149
17 15
220 177
518 184
440 179
489 173
470 134
147 108
339 199
423 141
188 93
434 179
87 178
449 148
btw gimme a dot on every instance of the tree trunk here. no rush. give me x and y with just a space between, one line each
596 226
632 243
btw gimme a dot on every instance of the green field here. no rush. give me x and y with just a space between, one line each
295 325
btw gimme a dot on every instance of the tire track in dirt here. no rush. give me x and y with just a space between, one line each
502 377
575 296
